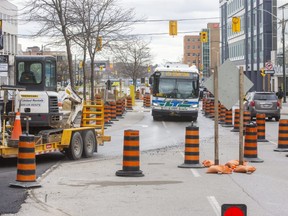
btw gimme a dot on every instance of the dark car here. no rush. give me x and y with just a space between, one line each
262 102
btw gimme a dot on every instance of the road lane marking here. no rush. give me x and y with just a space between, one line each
194 172
215 205
164 124
273 142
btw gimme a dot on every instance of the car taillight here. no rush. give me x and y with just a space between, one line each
252 103
278 104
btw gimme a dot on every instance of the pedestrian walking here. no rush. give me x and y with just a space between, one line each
280 95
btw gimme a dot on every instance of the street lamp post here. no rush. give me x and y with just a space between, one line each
283 42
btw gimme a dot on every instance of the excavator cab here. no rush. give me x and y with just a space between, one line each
36 73
39 102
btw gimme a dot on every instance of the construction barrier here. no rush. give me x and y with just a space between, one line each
228 118
222 114
203 104
131 155
129 103
107 114
93 114
26 163
137 96
250 144
207 108
119 108
282 136
113 110
147 99
236 120
260 121
16 132
212 111
191 158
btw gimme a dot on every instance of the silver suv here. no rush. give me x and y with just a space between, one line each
262 102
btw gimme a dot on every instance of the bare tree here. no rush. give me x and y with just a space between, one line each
56 19
103 19
133 58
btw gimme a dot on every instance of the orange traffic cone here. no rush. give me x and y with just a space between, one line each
16 132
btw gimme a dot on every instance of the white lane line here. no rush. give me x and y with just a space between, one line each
215 205
164 124
194 172
273 142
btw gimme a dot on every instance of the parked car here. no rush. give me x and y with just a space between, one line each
262 102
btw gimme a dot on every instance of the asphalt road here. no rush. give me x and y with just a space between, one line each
12 198
89 187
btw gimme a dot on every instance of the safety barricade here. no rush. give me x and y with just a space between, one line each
147 100
236 120
228 118
207 108
119 108
113 110
212 111
107 114
250 145
222 114
191 158
131 155
26 163
93 114
129 103
260 121
137 95
282 136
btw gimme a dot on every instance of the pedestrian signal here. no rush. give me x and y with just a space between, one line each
172 27
233 210
236 24
203 37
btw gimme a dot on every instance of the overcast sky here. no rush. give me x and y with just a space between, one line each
163 47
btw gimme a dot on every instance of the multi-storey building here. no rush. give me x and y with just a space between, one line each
8 17
251 47
210 49
192 50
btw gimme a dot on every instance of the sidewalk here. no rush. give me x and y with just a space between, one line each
284 110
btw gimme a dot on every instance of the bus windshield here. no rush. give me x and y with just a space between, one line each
178 88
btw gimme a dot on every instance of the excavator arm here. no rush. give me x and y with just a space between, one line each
76 106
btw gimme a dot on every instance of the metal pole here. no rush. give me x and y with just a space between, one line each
241 99
284 72
216 129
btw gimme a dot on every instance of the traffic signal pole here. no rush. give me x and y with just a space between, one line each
283 42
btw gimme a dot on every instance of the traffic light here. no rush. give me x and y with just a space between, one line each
263 72
203 37
233 210
172 27
236 24
99 44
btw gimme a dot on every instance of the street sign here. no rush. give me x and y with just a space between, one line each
268 66
269 71
228 84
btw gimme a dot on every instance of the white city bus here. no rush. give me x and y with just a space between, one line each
175 90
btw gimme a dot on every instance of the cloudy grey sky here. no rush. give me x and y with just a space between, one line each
195 14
